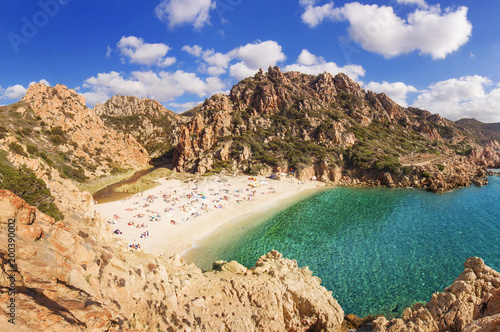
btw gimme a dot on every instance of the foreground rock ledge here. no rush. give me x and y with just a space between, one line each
470 304
70 279
79 279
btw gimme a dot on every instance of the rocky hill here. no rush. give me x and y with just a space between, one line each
479 131
328 127
50 141
151 124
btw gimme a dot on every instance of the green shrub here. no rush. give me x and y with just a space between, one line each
57 140
16 148
32 149
57 130
220 165
426 174
75 173
407 170
441 167
24 183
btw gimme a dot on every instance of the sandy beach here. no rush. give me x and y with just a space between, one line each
171 217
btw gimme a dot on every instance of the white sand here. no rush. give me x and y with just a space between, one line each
178 201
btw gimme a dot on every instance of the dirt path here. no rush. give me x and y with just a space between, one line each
421 159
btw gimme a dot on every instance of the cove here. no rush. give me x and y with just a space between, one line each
378 250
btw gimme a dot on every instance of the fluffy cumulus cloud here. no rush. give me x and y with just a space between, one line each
397 91
249 58
465 97
135 50
180 12
255 56
14 92
378 29
311 64
162 86
194 50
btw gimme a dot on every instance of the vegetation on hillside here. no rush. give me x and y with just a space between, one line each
24 183
157 143
41 141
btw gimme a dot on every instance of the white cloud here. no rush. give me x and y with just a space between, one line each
397 91
216 63
261 54
193 50
184 106
465 97
250 58
307 2
16 92
255 56
378 29
137 51
179 12
109 50
44 81
309 63
162 86
420 3
314 15
13 92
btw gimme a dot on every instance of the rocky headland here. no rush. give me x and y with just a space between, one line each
329 128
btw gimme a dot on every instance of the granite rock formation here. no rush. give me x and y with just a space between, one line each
328 127
149 122
83 133
471 303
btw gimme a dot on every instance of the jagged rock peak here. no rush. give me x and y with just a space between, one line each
42 92
81 129
128 105
271 91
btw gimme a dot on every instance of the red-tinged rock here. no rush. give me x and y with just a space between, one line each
30 232
15 208
98 319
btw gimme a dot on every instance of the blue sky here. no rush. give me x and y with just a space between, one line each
437 55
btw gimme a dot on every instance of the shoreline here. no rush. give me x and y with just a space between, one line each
203 254
198 209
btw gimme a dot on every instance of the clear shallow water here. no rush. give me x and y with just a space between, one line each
380 250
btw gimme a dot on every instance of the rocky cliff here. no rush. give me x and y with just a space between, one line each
328 127
50 141
471 303
76 278
82 132
151 124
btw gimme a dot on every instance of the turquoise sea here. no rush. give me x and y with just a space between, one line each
380 250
